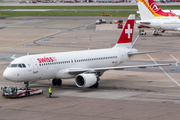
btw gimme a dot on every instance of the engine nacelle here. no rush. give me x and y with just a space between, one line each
85 80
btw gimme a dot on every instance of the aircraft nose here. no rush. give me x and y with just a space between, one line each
6 75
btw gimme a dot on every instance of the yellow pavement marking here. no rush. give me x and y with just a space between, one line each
4 99
29 40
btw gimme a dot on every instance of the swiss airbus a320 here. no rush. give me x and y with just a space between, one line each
85 66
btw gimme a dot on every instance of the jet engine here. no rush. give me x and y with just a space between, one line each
85 80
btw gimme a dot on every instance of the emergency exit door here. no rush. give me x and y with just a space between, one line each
35 65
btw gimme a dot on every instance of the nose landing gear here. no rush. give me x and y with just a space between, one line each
155 32
27 85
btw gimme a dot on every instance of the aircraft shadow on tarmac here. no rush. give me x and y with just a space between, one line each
101 87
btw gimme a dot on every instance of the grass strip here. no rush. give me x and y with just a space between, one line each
68 13
86 7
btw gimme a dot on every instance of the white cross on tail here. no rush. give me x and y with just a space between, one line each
128 31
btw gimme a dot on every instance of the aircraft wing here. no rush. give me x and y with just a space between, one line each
81 70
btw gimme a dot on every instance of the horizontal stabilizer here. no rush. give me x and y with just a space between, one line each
130 54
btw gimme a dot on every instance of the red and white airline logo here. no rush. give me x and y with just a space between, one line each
47 59
128 31
155 7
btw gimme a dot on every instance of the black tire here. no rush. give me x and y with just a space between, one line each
96 85
54 81
27 94
58 81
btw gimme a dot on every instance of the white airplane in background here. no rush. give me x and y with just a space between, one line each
157 21
85 66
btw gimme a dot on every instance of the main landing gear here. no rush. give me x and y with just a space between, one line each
155 32
95 85
56 81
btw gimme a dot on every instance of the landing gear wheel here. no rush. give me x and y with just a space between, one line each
27 94
54 81
96 85
58 81
157 34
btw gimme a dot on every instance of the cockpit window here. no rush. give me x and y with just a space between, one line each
17 65
24 66
13 65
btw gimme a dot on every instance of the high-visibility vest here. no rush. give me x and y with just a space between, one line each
50 90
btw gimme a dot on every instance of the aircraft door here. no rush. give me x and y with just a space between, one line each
73 62
35 65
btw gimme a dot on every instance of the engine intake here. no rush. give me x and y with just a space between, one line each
85 80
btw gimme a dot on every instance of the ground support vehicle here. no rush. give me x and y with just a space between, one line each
120 26
99 21
142 32
14 92
105 14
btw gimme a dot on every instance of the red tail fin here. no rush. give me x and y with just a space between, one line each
154 6
158 10
127 33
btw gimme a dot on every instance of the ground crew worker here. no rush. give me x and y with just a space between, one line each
140 31
50 92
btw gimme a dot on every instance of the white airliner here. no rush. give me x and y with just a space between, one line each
85 66
157 21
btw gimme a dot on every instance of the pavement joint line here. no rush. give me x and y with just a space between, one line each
29 40
164 71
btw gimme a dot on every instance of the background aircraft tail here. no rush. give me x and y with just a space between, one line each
158 10
126 36
146 12
154 6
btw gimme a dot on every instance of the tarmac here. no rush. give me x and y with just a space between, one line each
133 94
